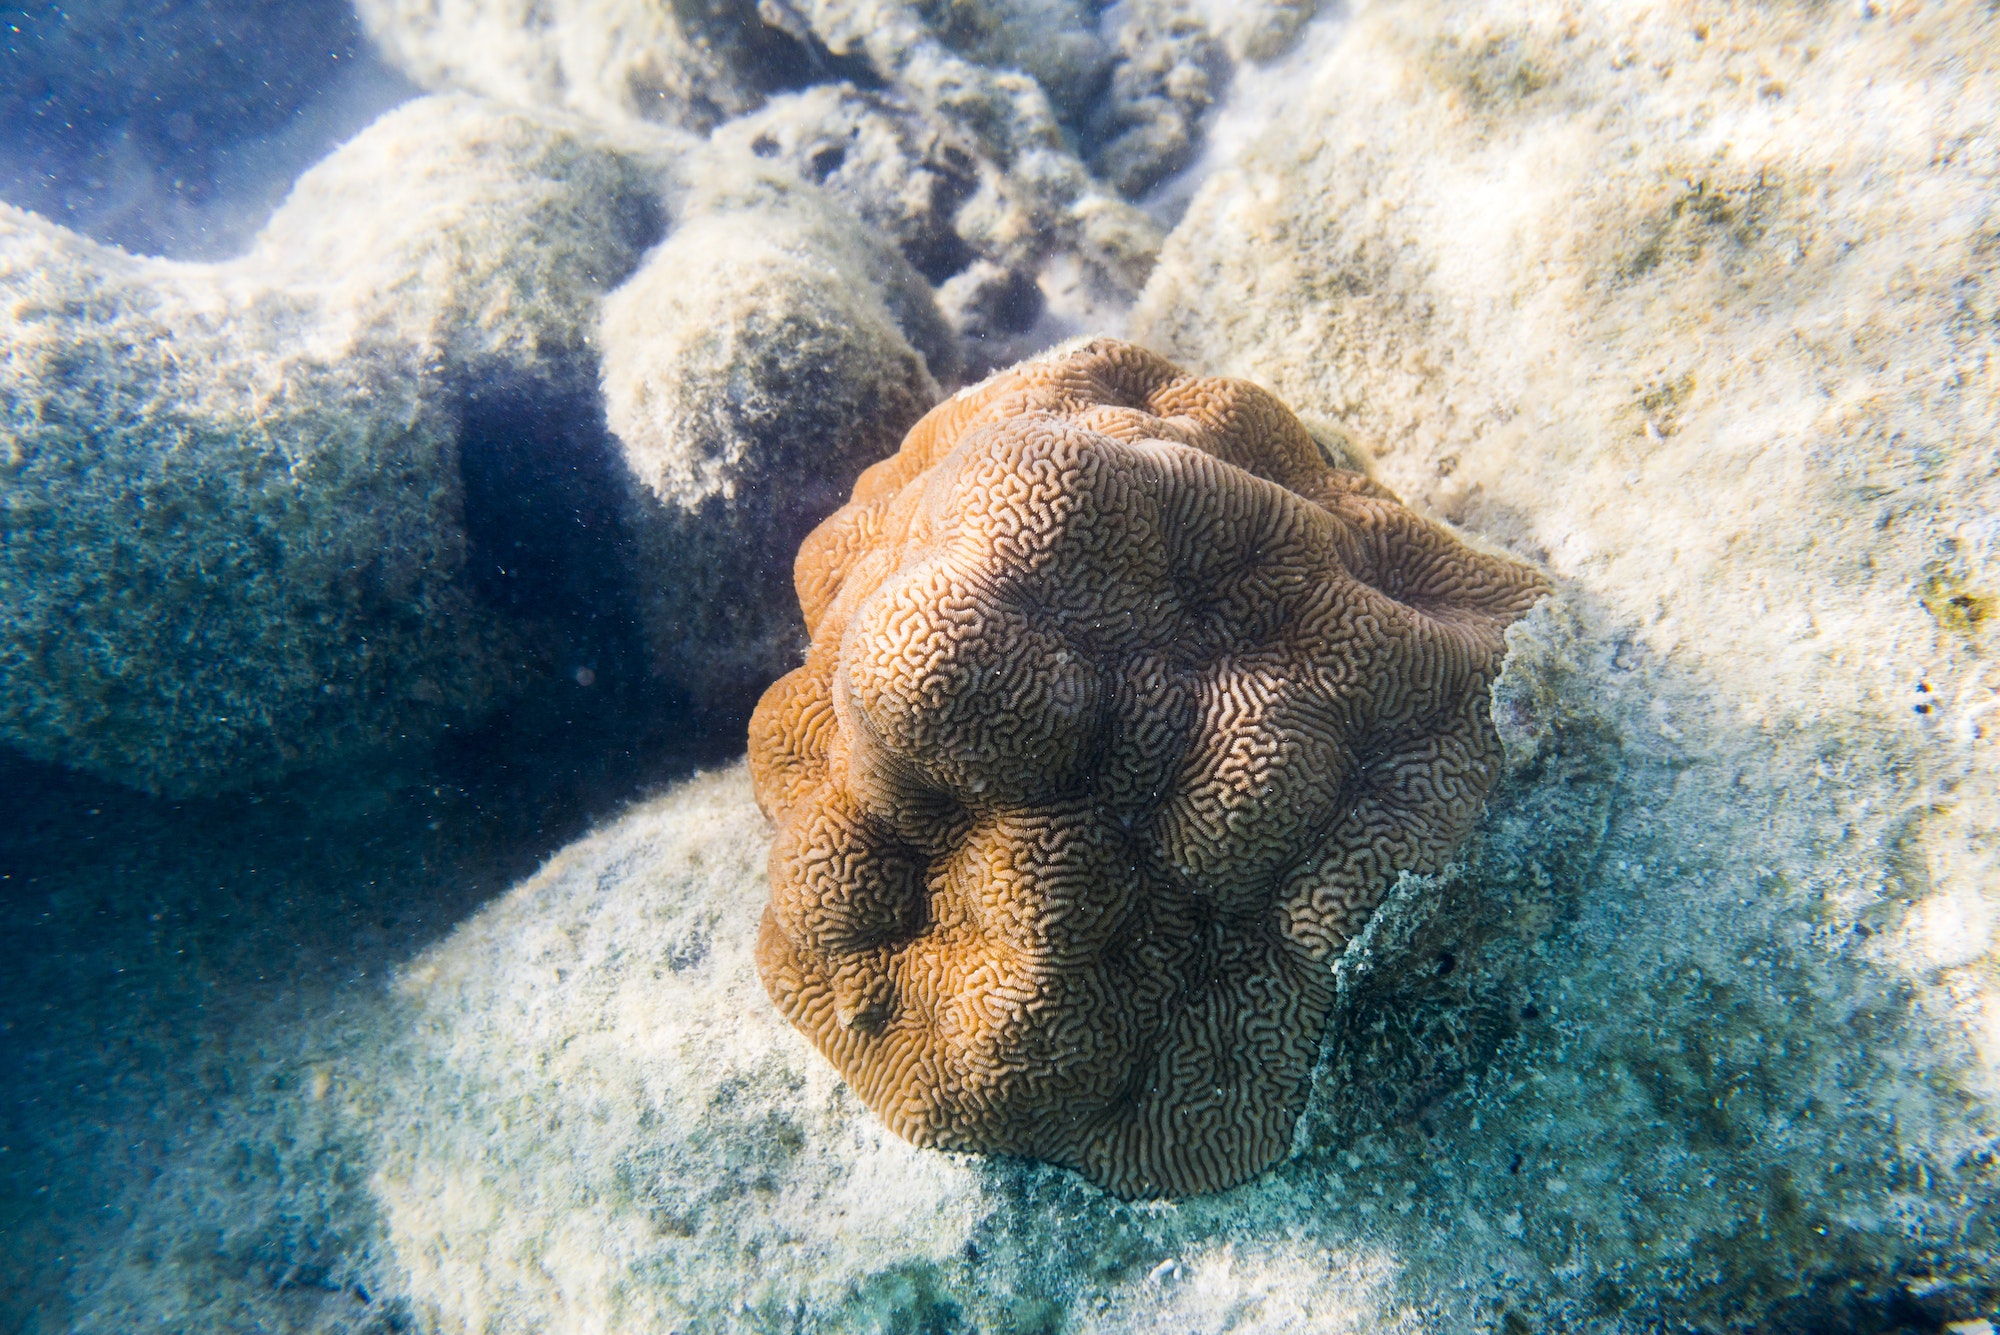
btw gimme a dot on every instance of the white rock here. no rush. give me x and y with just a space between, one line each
611 60
594 1119
247 500
1698 308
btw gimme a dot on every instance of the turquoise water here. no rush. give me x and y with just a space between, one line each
409 416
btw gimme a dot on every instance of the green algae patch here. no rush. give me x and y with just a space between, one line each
1955 607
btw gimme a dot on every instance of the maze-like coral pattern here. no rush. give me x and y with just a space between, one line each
1123 710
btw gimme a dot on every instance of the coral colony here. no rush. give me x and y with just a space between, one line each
1124 708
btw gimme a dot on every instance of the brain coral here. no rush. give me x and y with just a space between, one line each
1123 709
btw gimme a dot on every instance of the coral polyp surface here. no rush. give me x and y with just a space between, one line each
1123 710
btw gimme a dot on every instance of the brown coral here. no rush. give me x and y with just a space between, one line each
1123 710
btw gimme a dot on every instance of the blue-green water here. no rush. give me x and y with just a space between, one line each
408 417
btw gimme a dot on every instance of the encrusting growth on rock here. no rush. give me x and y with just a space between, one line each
1123 710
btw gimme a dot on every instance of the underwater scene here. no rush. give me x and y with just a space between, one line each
1022 667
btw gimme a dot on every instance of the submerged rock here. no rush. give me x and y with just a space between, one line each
961 222
357 487
1170 70
236 528
760 358
612 61
1011 119
579 1112
1699 311
594 1118
958 117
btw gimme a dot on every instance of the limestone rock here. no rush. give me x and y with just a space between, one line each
477 236
1012 120
358 486
594 1117
1259 30
760 356
1698 308
963 224
906 87
610 60
890 165
579 1112
233 499
1056 42
1170 70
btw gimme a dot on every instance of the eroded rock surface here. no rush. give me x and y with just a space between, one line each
1003 143
1698 305
763 352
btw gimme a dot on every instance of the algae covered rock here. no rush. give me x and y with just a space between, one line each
1107 243
233 500
357 487
1698 1026
610 60
762 353
929 98
1170 70
966 226
470 235
594 1116
1056 42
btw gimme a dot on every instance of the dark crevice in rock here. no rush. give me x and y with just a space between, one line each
769 46
543 494
548 505
939 252
641 224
